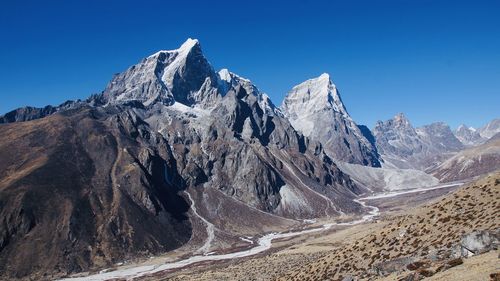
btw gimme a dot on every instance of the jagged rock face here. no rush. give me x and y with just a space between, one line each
468 135
440 137
490 129
397 137
404 146
229 134
225 116
182 75
229 80
315 109
86 189
245 150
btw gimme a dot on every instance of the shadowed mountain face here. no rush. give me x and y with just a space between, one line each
86 189
98 181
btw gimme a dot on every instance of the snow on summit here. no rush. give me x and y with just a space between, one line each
315 109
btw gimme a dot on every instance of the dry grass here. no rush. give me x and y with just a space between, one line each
406 238
418 234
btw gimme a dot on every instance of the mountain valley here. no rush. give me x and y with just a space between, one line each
178 171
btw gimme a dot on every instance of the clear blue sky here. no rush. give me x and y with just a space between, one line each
434 60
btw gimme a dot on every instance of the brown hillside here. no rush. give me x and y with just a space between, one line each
83 190
420 241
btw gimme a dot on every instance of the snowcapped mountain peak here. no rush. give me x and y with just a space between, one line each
471 136
322 82
314 95
468 135
184 49
315 109
183 75
189 44
491 129
463 127
324 76
175 60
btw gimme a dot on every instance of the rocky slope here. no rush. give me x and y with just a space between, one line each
468 135
403 146
162 157
404 243
418 243
315 109
490 129
387 179
86 189
471 162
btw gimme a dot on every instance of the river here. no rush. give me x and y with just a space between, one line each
264 243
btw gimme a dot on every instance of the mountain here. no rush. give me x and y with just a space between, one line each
403 146
440 137
85 189
397 141
468 135
490 129
31 113
471 162
315 109
182 75
170 154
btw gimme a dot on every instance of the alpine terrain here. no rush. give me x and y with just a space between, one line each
170 153
180 171
404 146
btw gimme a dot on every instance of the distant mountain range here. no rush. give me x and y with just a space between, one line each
173 153
470 136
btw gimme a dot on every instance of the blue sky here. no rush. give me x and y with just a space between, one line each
433 60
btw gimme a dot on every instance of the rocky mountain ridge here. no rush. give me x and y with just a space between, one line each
175 144
404 146
471 136
193 140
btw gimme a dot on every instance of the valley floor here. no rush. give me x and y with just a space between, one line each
283 255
